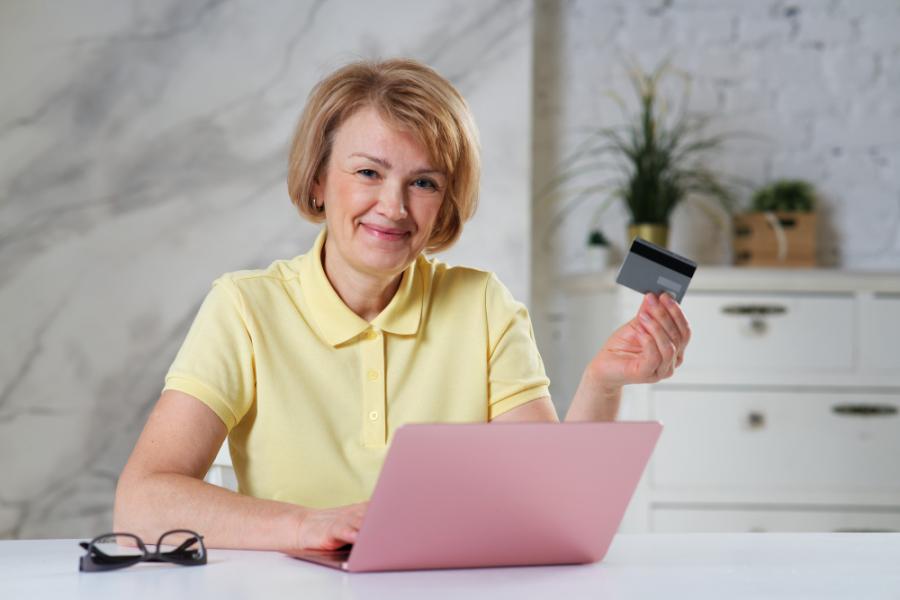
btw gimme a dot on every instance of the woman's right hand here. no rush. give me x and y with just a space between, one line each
330 528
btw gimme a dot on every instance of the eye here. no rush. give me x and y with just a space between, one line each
425 184
369 173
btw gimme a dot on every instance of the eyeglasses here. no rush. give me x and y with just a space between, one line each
117 550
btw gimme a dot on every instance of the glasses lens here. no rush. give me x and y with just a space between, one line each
182 545
116 549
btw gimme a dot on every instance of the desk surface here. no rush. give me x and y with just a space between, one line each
761 565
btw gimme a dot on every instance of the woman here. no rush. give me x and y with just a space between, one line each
308 366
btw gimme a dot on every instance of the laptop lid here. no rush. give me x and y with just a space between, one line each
498 494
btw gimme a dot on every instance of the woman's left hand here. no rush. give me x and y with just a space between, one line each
646 349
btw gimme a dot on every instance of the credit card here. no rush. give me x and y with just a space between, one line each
649 268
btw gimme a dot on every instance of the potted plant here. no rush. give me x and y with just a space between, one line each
657 158
780 229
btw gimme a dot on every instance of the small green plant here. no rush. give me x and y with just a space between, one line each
657 157
785 195
596 238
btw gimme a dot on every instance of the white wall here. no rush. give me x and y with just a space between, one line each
143 150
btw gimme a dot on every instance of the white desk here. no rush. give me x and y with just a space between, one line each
638 566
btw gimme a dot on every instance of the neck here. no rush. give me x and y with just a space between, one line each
363 293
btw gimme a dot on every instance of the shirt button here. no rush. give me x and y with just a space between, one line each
371 334
373 374
373 416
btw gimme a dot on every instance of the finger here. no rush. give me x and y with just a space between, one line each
629 334
356 517
646 369
343 534
659 311
678 316
665 347
681 322
656 329
350 534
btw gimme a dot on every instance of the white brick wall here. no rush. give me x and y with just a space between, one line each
761 31
818 80
880 32
817 28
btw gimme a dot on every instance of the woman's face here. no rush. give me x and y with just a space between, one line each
381 195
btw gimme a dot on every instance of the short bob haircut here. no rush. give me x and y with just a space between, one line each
414 98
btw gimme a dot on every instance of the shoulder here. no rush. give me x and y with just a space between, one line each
279 270
454 280
469 283
250 283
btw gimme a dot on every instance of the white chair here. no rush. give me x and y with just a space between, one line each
221 472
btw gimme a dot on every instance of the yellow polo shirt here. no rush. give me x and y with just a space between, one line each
311 393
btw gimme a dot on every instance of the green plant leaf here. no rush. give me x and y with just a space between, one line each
785 195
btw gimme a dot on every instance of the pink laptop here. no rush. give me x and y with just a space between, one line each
498 494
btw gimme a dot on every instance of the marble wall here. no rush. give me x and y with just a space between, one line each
142 153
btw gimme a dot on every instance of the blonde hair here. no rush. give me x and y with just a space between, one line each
411 96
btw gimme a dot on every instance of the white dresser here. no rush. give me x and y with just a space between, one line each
785 415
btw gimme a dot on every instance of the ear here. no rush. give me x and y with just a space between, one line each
317 189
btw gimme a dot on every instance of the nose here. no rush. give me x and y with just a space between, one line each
392 202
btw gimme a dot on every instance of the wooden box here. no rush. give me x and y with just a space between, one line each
781 239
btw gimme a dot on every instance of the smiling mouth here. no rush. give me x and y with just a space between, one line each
384 234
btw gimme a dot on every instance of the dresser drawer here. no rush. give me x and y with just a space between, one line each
708 520
781 332
797 440
880 323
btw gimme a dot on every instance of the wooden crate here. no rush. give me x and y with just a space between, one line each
756 240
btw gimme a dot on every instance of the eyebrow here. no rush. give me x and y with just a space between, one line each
387 165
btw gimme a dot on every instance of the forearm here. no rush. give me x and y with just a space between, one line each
593 401
149 505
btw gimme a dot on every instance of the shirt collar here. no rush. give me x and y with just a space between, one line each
336 322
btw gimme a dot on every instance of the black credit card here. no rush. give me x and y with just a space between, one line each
650 268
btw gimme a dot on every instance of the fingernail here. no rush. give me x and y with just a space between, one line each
651 299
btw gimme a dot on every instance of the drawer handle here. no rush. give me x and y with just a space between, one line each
756 420
754 310
864 410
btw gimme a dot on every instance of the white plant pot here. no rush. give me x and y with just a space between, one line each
597 258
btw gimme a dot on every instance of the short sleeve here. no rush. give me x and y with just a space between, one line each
216 362
516 371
